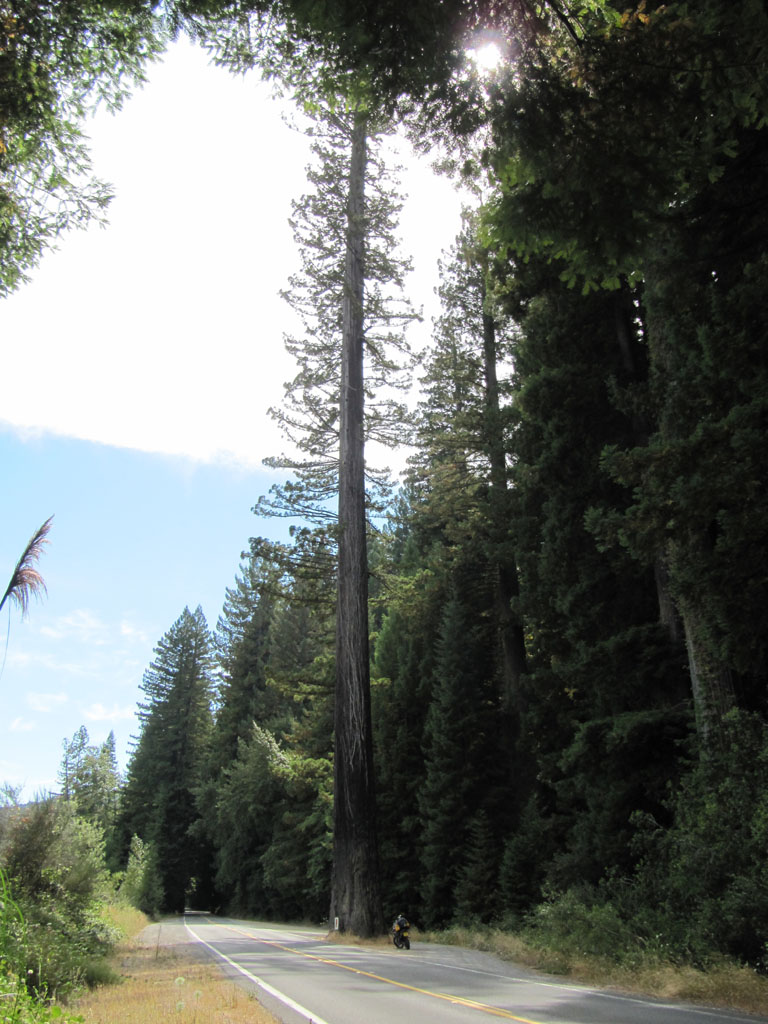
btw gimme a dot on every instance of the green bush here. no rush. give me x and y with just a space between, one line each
141 886
574 925
19 1007
701 886
53 928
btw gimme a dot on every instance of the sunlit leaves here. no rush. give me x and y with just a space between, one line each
58 60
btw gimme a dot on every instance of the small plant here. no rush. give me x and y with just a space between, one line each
12 926
26 581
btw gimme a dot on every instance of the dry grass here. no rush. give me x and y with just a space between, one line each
127 919
348 939
726 985
163 984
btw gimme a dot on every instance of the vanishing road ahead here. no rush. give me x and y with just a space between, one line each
300 977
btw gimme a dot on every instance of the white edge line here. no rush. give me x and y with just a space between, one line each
312 1018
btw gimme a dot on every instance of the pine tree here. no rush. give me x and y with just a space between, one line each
164 770
328 230
476 896
348 297
75 751
89 776
459 752
606 695
651 200
267 773
464 429
243 648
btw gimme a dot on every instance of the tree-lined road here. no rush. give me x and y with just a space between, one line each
301 977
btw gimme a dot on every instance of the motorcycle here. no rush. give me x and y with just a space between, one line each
400 933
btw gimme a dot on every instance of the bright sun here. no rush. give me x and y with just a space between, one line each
487 57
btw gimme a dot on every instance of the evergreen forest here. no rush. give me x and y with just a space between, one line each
526 681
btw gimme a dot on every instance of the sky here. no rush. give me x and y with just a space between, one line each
136 370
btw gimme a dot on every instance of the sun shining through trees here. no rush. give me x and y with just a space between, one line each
486 56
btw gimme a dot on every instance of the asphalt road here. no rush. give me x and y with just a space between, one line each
301 977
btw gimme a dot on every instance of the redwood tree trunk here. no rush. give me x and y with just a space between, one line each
711 678
506 584
355 898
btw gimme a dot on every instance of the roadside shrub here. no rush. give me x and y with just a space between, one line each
701 885
141 886
574 924
11 928
19 1007
54 863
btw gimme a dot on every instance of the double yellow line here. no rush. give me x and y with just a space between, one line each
494 1011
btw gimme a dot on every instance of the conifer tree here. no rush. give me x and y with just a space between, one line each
651 200
464 428
332 223
90 777
71 762
349 299
459 751
243 647
605 685
164 769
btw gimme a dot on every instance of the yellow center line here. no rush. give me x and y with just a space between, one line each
457 1000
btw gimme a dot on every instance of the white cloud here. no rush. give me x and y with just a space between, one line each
98 713
121 328
133 633
46 702
30 661
21 725
80 625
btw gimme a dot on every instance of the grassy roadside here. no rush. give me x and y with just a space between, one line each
155 984
161 984
725 984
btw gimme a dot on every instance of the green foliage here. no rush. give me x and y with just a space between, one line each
299 873
58 59
527 851
575 924
475 897
700 884
400 699
90 778
168 761
310 413
141 884
19 1007
269 799
11 928
458 751
54 862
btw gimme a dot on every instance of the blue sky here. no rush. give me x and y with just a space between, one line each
136 371
136 537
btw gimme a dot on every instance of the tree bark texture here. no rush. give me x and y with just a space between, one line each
506 584
711 678
711 686
355 897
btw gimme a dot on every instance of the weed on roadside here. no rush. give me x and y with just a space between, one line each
162 985
724 984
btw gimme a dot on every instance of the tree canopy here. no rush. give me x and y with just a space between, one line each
58 60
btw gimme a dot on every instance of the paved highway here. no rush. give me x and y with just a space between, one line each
300 977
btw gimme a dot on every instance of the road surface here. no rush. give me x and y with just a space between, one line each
301 977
